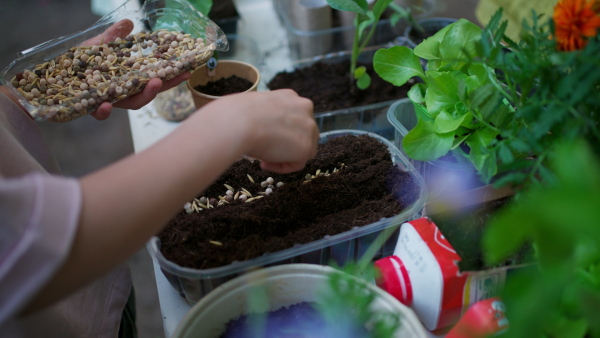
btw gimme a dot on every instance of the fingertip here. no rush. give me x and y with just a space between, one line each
103 111
282 168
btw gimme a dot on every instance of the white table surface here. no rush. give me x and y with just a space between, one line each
258 21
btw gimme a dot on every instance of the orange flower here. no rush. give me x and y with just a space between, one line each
574 22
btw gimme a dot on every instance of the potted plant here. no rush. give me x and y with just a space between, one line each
358 185
477 100
289 292
530 121
306 300
343 87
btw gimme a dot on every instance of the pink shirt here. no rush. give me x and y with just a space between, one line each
39 212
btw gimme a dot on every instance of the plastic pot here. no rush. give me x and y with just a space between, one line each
283 286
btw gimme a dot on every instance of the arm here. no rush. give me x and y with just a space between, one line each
130 201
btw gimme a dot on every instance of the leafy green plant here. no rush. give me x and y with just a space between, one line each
502 105
365 23
346 292
447 115
560 297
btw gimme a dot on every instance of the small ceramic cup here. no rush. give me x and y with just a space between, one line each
224 69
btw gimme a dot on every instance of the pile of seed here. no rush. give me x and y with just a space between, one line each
244 195
75 83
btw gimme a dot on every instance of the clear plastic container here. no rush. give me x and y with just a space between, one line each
305 43
68 77
193 284
370 117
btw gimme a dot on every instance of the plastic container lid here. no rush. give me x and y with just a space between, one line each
394 279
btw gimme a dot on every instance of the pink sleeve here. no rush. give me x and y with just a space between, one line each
38 219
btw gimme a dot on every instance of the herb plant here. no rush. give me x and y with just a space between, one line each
502 104
560 296
365 23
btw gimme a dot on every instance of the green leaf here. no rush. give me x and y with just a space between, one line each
363 81
462 37
504 237
380 6
485 99
357 6
505 154
480 71
397 65
423 144
360 71
442 93
429 49
446 123
416 93
483 158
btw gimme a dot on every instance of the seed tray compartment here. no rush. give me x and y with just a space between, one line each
193 284
70 76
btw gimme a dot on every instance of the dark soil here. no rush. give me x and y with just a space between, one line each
365 188
298 320
224 86
329 86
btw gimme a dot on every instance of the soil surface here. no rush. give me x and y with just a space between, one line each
365 187
329 86
224 86
298 320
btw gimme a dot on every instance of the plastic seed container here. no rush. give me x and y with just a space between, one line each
193 284
69 77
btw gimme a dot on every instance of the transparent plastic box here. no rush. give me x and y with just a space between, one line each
323 31
193 284
70 76
370 117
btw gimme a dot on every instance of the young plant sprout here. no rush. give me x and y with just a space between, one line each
365 23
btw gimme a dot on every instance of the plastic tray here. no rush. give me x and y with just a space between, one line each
371 117
193 284
93 72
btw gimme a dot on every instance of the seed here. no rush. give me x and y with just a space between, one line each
279 184
229 192
216 243
264 184
250 178
228 187
246 192
243 197
268 191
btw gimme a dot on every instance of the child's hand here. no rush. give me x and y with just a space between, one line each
120 30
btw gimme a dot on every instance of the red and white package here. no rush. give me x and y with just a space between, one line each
423 273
